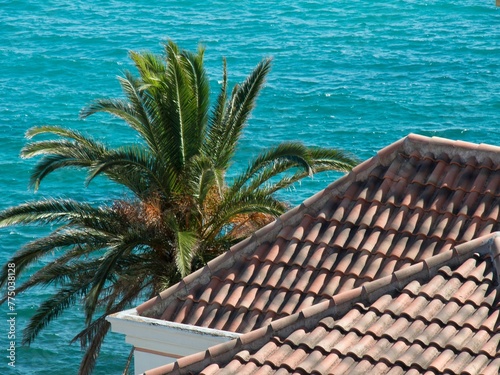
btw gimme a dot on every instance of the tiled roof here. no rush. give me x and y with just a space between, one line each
416 198
438 316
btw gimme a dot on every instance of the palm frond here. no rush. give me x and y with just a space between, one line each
80 152
217 128
52 308
279 159
183 212
180 110
92 336
65 133
59 274
104 273
48 211
186 248
136 160
241 204
241 103
90 357
332 160
150 66
80 241
201 176
192 65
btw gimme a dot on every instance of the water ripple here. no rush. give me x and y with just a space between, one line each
350 74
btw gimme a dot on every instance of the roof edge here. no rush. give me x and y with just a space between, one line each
131 316
423 145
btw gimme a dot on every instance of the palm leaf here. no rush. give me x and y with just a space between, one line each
192 65
52 308
86 240
64 132
186 247
80 152
104 273
49 211
242 101
91 354
216 132
241 204
278 159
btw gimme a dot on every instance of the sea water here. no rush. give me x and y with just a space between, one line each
354 75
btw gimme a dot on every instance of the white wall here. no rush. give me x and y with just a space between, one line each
158 342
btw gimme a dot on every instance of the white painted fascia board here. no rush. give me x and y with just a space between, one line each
166 337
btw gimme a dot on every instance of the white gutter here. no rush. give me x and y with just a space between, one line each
162 341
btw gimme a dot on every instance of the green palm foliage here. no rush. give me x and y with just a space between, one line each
182 211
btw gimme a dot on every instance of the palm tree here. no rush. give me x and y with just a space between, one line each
181 210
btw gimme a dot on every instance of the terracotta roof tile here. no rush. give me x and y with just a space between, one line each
428 325
417 198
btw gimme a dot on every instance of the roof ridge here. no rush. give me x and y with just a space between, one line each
488 245
423 144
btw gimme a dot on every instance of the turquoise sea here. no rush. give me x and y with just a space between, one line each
356 75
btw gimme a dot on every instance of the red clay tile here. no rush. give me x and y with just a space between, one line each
379 327
330 340
371 268
207 319
481 180
308 301
318 282
291 303
371 240
388 267
414 309
429 196
394 352
364 344
184 313
479 316
410 356
493 368
449 310
341 236
441 361
459 362
484 342
288 357
348 284
428 333
289 275
247 369
427 357
439 170
310 361
357 264
493 322
344 366
214 369
350 319
271 252
332 286
477 365
463 315
493 185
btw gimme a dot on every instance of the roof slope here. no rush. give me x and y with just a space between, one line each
416 198
438 316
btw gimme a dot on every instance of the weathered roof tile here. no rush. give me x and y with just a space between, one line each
416 199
